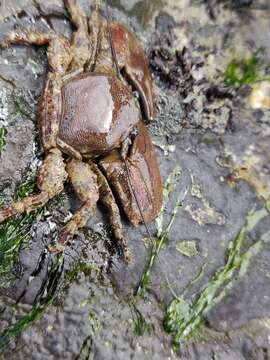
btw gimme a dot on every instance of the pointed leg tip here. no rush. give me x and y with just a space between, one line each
128 258
125 254
6 213
4 43
60 244
56 248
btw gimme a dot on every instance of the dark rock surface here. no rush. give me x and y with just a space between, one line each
202 126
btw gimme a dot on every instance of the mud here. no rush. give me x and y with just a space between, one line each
206 128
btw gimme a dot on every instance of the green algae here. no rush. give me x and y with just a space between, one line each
184 317
243 71
41 303
3 133
162 231
86 346
187 248
14 233
21 325
140 326
72 274
26 187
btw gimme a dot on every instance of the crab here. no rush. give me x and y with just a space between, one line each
91 116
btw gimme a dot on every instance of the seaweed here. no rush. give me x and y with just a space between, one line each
14 233
26 187
21 325
3 133
43 300
72 274
184 317
187 248
140 326
86 346
162 231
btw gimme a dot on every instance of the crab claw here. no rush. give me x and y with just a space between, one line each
134 64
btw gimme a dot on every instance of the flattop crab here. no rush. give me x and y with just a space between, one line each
91 124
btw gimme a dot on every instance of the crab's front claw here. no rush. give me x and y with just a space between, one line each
133 62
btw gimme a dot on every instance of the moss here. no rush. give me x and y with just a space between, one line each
184 317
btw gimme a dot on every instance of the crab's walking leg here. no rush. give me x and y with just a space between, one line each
59 58
108 200
84 182
50 182
94 24
80 41
76 15
59 54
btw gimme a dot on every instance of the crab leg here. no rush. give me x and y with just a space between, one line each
80 41
59 55
59 58
50 182
77 17
84 42
94 32
108 200
84 182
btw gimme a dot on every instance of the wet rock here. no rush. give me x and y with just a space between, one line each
19 151
204 122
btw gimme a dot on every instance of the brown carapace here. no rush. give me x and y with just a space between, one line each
91 125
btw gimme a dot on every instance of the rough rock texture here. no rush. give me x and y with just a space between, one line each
204 127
